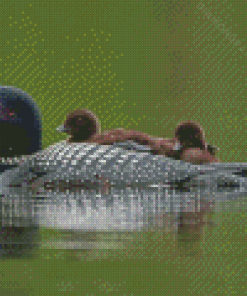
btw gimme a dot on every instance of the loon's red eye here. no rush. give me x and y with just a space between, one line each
10 112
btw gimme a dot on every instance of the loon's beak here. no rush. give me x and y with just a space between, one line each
62 129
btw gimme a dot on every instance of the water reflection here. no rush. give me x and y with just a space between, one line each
129 218
19 228
113 219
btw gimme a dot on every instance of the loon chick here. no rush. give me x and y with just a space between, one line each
191 144
81 125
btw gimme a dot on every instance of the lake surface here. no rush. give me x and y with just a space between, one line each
155 231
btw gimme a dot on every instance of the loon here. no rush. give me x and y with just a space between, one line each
120 163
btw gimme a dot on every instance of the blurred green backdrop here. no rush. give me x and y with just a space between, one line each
144 65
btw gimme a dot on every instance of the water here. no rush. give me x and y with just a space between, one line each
47 227
115 210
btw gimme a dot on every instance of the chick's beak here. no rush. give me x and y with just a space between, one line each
62 129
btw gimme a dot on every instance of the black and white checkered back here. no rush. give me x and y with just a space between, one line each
83 161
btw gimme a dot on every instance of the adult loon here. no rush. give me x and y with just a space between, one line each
88 161
82 162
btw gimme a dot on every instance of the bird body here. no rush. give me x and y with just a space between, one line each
88 162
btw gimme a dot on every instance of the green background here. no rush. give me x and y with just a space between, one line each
144 65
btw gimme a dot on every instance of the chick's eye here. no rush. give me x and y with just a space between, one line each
80 122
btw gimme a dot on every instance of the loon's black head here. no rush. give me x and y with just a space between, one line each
20 123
